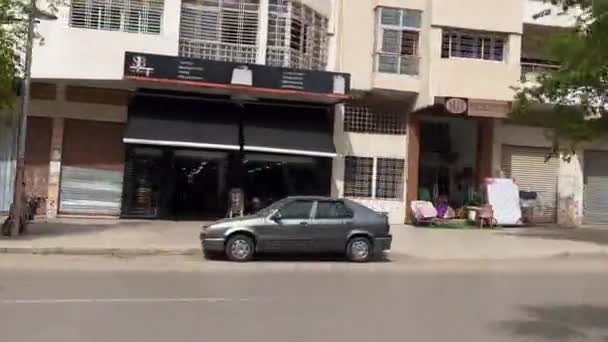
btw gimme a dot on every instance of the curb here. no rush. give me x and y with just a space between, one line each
100 251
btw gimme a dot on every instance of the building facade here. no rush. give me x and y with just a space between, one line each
142 109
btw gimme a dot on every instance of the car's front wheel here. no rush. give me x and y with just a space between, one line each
359 249
240 248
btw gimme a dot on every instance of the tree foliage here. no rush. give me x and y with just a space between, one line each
14 15
573 101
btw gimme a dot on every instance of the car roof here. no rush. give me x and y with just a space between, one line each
313 198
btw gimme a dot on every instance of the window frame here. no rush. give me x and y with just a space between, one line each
379 51
99 8
374 180
482 36
310 211
349 213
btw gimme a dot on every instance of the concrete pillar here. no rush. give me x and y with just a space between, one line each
342 149
570 191
55 168
262 40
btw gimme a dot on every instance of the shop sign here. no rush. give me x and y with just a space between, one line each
489 108
455 105
201 72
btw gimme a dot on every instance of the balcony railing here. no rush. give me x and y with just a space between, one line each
224 52
531 71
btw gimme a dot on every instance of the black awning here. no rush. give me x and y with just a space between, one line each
183 123
304 131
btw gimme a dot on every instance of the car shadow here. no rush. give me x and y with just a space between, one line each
558 323
309 258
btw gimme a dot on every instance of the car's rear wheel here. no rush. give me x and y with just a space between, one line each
240 248
359 249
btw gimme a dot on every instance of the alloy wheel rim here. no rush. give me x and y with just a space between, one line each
360 250
240 249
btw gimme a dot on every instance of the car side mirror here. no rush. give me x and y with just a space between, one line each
276 217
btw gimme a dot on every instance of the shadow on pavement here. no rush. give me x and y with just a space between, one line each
307 258
595 235
559 323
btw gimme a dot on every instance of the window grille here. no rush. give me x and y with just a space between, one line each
364 120
389 178
398 41
358 177
221 30
136 16
297 36
473 44
361 174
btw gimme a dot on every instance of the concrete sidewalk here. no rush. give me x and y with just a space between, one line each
133 237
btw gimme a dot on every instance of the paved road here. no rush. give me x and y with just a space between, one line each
489 302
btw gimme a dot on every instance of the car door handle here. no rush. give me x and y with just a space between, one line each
303 223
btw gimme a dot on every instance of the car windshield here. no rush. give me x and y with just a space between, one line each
269 209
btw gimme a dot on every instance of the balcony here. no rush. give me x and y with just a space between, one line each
223 52
531 71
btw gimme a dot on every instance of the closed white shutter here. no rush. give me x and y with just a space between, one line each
90 191
595 201
527 166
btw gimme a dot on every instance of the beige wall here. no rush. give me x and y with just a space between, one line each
60 108
372 146
474 78
487 15
462 77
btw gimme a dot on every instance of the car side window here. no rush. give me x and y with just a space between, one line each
332 210
296 210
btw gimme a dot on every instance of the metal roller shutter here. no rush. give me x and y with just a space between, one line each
90 191
527 166
92 168
595 199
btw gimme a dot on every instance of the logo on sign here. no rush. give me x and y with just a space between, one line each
139 66
456 106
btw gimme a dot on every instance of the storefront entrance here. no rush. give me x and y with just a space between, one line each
448 160
185 155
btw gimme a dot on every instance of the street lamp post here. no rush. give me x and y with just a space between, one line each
18 203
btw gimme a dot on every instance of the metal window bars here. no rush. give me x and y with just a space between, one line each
222 30
297 36
363 120
135 16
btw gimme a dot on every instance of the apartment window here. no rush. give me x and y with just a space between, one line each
136 16
222 30
364 120
398 41
472 44
389 178
297 36
358 177
379 178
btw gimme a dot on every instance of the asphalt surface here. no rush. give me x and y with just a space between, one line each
488 302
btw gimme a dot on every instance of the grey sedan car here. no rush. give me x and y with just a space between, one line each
301 225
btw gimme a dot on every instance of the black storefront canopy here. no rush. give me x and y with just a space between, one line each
182 123
305 131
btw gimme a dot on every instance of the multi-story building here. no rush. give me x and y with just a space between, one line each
152 108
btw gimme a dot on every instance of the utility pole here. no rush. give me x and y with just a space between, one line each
18 205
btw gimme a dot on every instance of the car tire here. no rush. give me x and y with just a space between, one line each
240 248
359 249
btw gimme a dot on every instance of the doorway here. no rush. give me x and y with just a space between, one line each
448 160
